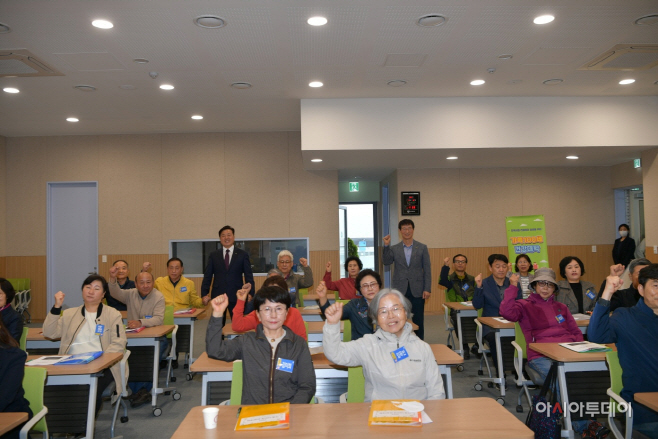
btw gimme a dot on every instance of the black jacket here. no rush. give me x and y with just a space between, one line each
227 281
12 369
13 321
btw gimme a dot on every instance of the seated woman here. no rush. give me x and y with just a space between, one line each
396 363
368 284
12 369
578 295
523 266
276 362
88 328
542 318
246 322
345 286
13 320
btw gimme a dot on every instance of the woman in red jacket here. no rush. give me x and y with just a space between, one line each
345 286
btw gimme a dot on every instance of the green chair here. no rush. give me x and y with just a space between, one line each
169 320
236 385
33 382
303 292
613 392
23 341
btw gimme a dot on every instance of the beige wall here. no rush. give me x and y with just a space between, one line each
650 188
3 196
467 207
624 175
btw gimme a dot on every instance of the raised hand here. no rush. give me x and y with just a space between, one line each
113 272
328 266
478 280
617 270
321 289
387 240
334 313
612 284
244 291
514 279
59 299
219 305
303 262
146 266
446 261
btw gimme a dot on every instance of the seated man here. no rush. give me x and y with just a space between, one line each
90 327
295 281
488 296
460 287
178 291
246 322
273 347
146 307
635 331
627 297
124 283
368 284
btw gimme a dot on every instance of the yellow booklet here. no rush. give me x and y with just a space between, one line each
264 417
395 412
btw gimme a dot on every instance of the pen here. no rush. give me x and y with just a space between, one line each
238 415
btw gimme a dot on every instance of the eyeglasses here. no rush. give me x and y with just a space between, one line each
281 261
460 262
370 286
278 310
545 283
396 311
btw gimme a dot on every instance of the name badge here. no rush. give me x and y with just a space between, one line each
466 287
148 317
590 294
292 289
183 289
399 354
285 365
559 318
100 329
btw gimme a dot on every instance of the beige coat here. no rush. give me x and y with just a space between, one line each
152 305
69 323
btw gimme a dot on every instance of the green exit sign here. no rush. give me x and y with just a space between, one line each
354 186
637 163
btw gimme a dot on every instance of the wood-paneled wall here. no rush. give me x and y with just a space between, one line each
33 268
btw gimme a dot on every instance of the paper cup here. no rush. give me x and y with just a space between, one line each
210 417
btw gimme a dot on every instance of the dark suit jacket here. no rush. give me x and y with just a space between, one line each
227 281
417 275
489 299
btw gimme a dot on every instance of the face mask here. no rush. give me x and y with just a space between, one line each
623 233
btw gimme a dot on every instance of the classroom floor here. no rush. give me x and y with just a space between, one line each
144 425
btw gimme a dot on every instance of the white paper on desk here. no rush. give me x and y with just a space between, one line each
426 418
502 320
47 360
579 316
312 307
467 303
316 350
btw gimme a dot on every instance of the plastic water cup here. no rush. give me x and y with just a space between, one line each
210 417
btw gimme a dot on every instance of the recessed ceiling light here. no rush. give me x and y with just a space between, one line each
197 117
505 56
4 29
85 87
72 119
543 19
553 81
452 157
647 20
210 21
167 87
316 160
572 157
317 21
397 83
431 20
477 82
141 60
102 24
10 90
626 81
241 85
315 84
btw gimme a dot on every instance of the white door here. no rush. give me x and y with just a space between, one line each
72 249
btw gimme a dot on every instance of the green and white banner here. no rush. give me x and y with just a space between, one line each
527 234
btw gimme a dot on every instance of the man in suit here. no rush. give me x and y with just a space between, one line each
412 275
227 266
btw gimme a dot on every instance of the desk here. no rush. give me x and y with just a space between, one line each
81 374
151 337
314 332
36 340
461 311
570 361
11 420
445 359
649 399
311 315
453 419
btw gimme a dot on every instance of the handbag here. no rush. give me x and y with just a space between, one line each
546 423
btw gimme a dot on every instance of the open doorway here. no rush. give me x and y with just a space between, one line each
629 209
357 222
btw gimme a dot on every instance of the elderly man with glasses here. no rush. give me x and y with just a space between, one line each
284 263
459 288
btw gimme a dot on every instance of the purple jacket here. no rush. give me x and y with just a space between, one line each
538 319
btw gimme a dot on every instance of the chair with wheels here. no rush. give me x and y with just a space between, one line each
616 386
120 401
483 351
169 320
450 342
521 367
34 381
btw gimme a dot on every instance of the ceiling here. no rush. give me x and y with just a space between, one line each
365 44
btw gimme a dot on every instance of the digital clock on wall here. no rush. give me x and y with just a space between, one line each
410 203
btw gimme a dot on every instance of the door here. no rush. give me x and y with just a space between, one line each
72 238
342 233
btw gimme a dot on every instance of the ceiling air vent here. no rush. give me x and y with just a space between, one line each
21 62
625 57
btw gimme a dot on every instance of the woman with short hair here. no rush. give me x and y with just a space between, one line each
345 286
578 295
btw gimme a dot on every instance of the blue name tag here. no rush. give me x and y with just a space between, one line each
147 317
183 289
559 318
466 287
293 290
100 329
399 354
590 294
285 365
